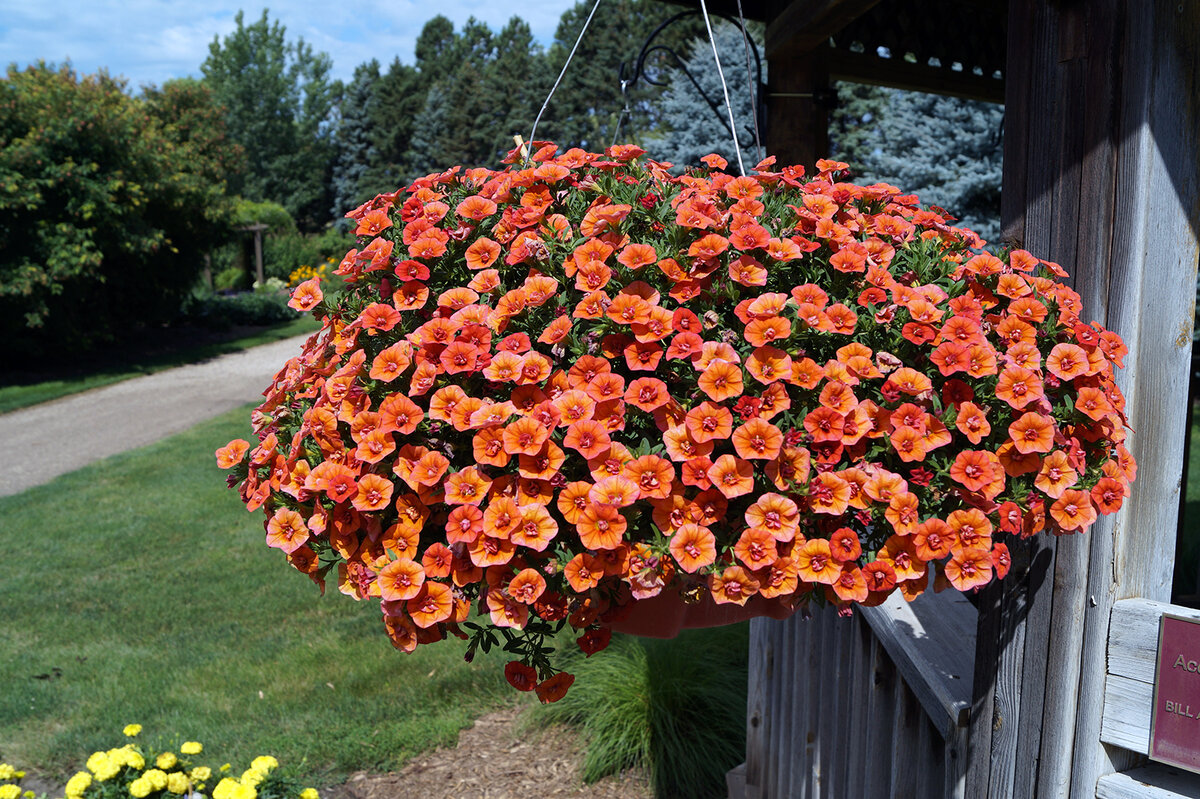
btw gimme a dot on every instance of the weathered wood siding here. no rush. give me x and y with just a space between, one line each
877 704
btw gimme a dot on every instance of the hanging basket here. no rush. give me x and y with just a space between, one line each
548 393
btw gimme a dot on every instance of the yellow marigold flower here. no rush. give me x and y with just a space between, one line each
253 776
7 772
157 778
166 760
28 795
191 748
101 765
132 730
310 793
177 782
226 767
140 787
10 791
225 789
264 763
201 773
243 791
78 784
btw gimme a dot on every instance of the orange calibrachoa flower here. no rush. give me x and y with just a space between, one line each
545 392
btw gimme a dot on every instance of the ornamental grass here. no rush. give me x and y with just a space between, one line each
552 391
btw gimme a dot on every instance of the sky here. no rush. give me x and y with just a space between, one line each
152 41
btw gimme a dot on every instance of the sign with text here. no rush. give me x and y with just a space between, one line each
1175 722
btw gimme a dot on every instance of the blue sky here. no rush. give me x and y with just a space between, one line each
151 41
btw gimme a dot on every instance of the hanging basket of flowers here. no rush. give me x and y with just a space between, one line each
584 391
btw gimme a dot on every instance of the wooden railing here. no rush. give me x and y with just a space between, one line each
877 703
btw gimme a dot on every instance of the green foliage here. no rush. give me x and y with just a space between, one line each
356 149
107 203
279 103
221 312
273 215
677 708
693 128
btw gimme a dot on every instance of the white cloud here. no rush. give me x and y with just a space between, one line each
151 41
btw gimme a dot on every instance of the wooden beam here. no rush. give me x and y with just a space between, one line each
805 24
900 74
797 122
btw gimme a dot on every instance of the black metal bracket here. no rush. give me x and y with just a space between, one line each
649 47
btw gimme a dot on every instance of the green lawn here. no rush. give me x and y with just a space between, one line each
31 389
140 590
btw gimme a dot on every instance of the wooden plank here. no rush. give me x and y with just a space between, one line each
1152 781
793 683
925 640
735 782
906 722
756 707
859 681
804 24
897 73
884 685
955 765
1125 721
1133 636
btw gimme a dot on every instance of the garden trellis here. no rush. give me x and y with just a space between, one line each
1053 698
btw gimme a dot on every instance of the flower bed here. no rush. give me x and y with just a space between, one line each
558 389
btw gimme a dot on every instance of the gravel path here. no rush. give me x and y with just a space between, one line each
56 437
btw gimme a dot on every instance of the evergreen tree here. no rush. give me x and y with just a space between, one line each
587 108
694 128
424 154
946 150
356 148
400 96
854 120
279 102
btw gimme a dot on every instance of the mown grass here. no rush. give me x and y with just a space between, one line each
30 390
140 590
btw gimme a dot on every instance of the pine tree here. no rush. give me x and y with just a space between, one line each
694 127
946 150
400 96
356 147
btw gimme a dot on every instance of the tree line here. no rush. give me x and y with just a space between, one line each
110 200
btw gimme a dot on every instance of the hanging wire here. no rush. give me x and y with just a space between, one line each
732 124
759 153
625 111
570 55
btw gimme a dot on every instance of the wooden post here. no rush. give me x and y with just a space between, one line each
1101 175
797 118
258 263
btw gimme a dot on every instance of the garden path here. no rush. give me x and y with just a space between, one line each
57 437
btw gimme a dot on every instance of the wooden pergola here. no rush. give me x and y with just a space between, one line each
1041 687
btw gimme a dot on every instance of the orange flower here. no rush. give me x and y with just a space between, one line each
776 514
1056 474
969 569
487 551
527 586
635 256
554 688
758 439
647 393
1018 386
232 453
588 438
732 476
824 424
467 487
374 493
844 545
971 528
573 500
482 253
1073 510
693 547
432 605
501 517
583 572
900 553
910 381
769 364
525 436
734 585
544 464
1032 432
653 476
902 512
909 444
934 539
815 563
464 524
287 531
1067 361
400 580
973 469
756 548
828 493
851 584
617 490
601 527
707 422
972 422
306 295
535 529
761 332
681 447
506 610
